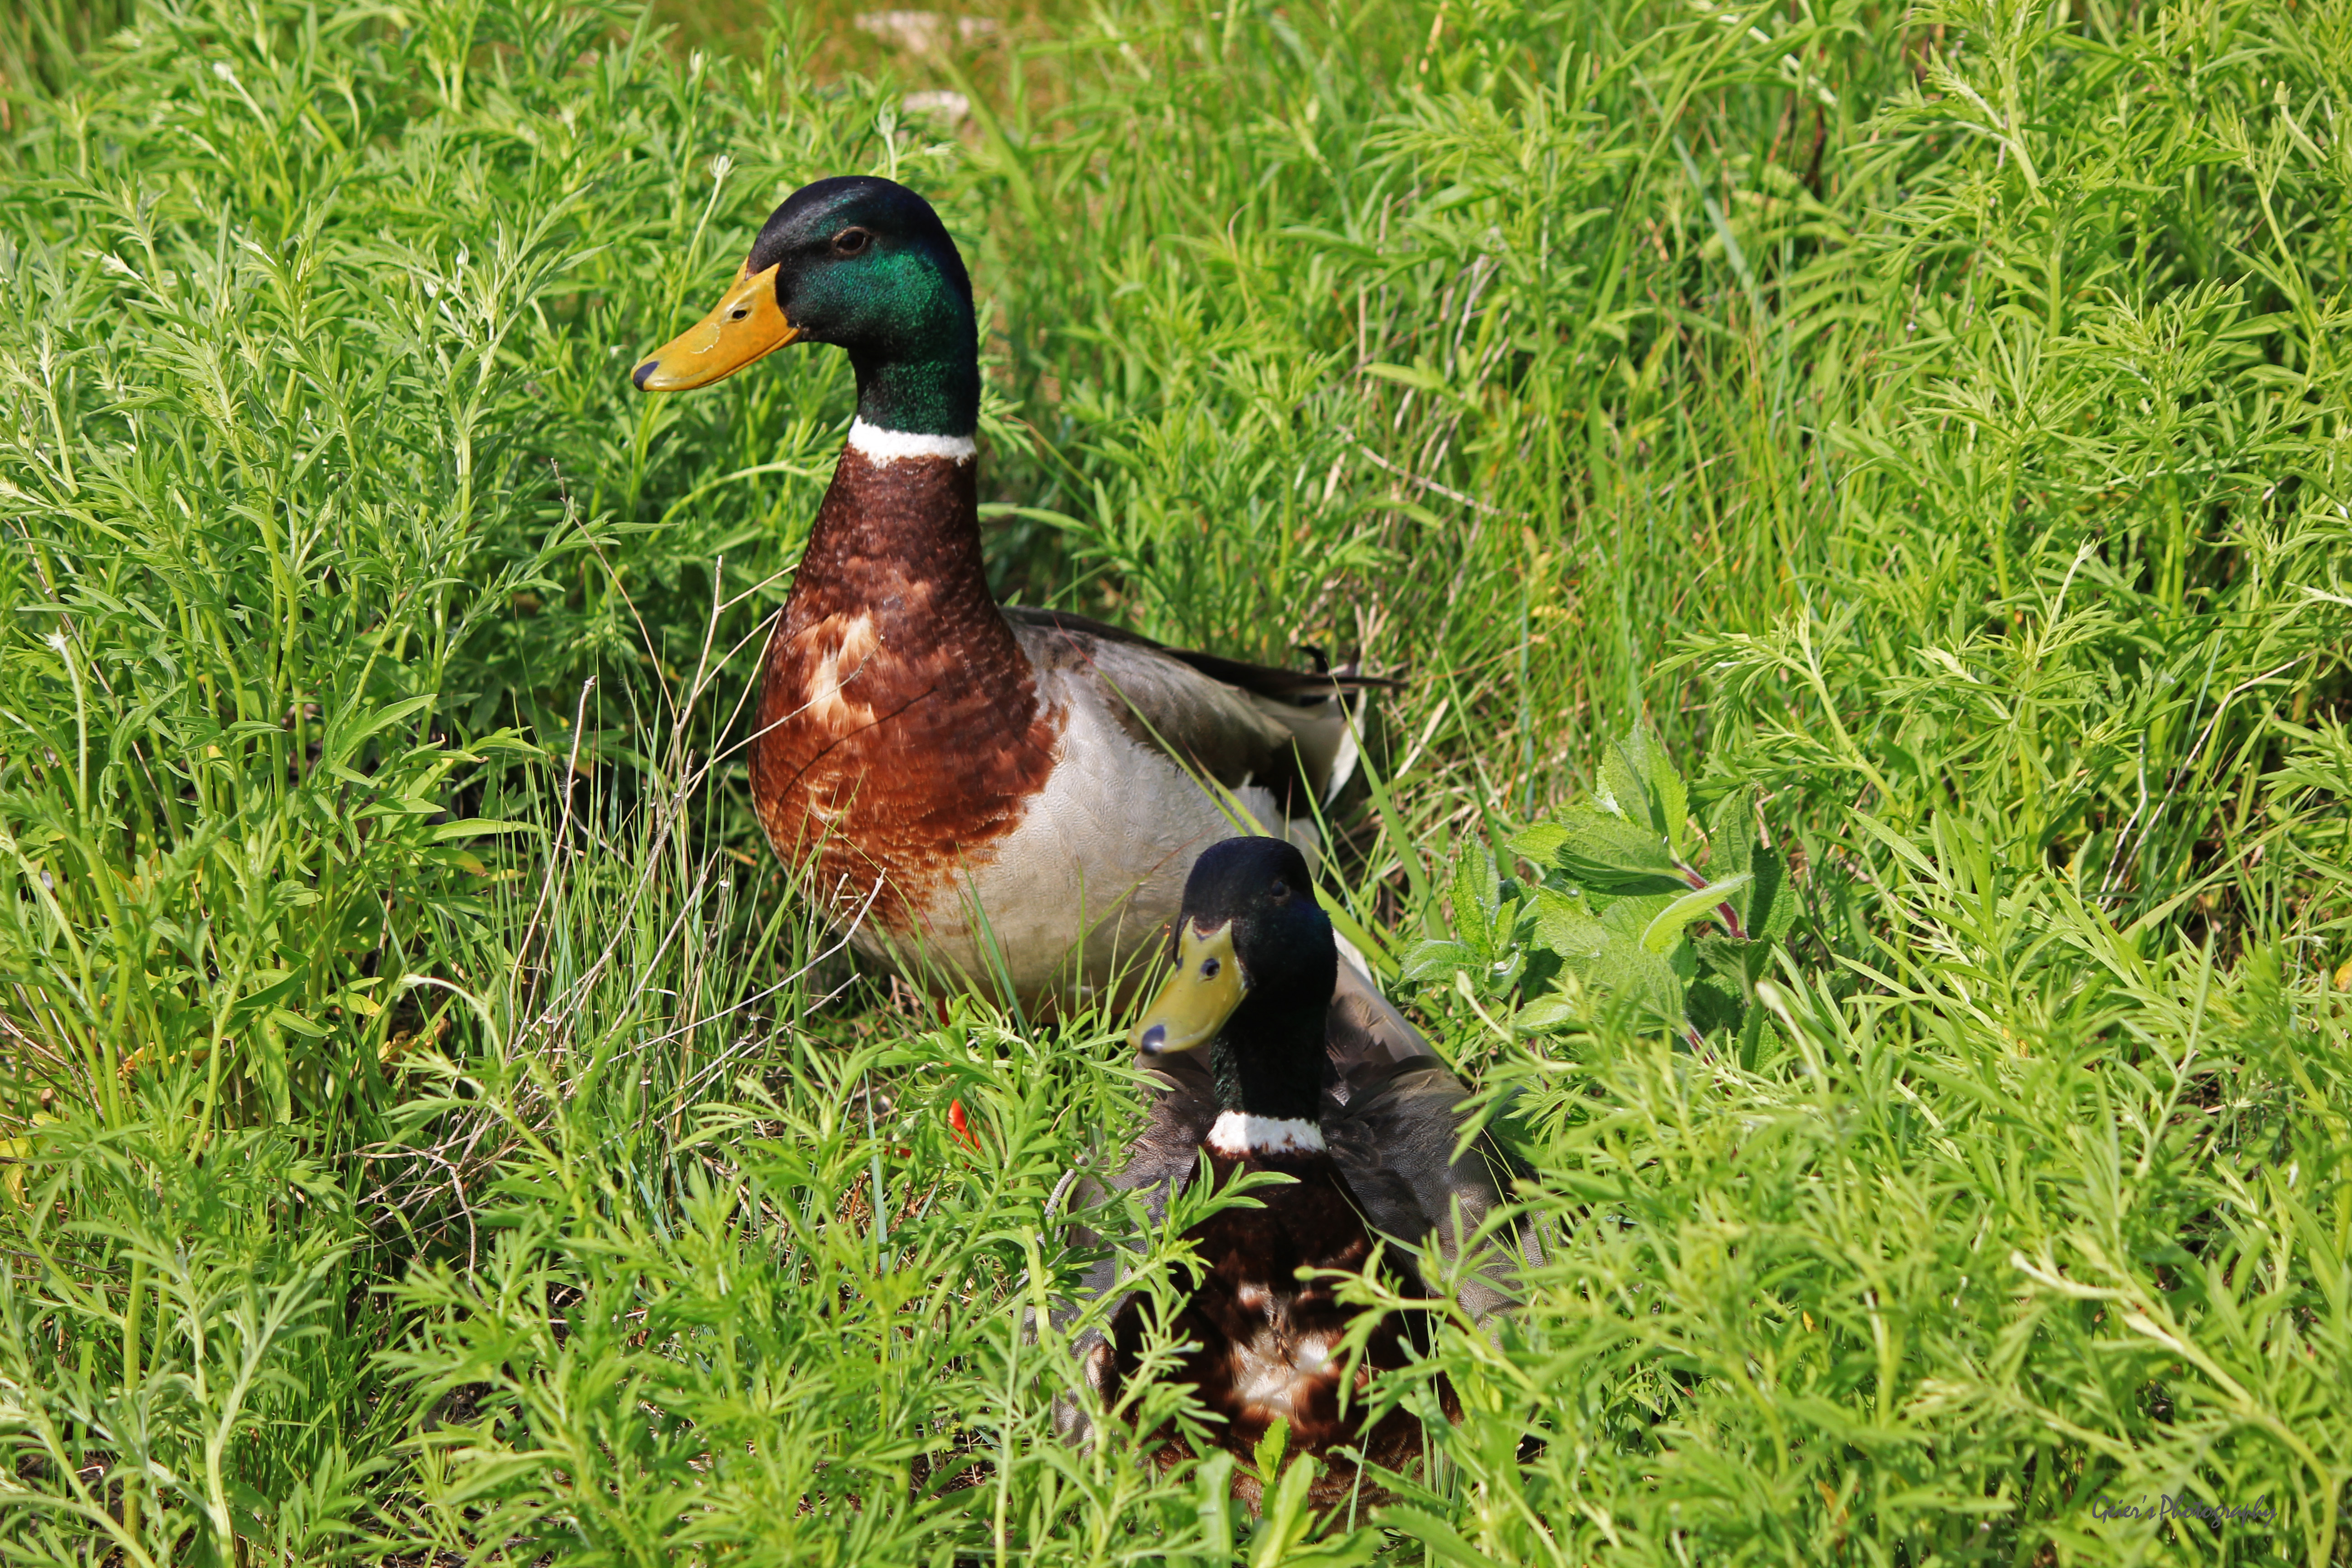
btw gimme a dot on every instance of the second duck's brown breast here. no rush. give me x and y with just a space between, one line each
1267 1343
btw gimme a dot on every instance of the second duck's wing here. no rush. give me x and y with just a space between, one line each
1161 1161
1392 1114
1365 1039
1166 1152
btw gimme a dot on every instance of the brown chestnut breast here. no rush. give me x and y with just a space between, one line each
900 731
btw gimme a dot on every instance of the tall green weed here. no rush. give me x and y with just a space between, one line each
433 1125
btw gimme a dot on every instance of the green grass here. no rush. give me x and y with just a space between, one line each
429 1125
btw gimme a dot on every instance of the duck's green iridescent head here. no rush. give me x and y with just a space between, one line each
863 263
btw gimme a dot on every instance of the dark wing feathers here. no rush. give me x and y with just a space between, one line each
1166 1152
1161 1161
1165 704
1394 1140
1393 1114
1287 685
1289 730
1364 1039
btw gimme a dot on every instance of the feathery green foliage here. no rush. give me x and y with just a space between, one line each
431 1124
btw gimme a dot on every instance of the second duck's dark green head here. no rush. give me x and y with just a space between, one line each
1255 963
862 263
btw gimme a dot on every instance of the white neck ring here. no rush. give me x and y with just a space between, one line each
879 446
1237 1133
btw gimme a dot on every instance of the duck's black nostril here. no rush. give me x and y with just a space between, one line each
644 373
1153 1038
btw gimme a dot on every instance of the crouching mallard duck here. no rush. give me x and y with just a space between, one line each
1255 964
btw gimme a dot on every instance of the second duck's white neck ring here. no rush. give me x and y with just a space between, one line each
879 446
1237 1133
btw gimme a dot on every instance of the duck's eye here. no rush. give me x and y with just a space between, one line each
1280 892
1209 967
850 241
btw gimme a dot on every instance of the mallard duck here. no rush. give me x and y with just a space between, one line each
1011 795
1255 963
994 794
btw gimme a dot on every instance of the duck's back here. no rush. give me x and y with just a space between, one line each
1080 891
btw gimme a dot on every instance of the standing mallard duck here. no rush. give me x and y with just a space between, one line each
1009 795
1255 964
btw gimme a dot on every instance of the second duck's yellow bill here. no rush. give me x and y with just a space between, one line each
1199 997
746 325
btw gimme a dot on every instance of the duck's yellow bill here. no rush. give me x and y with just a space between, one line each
747 324
1199 997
